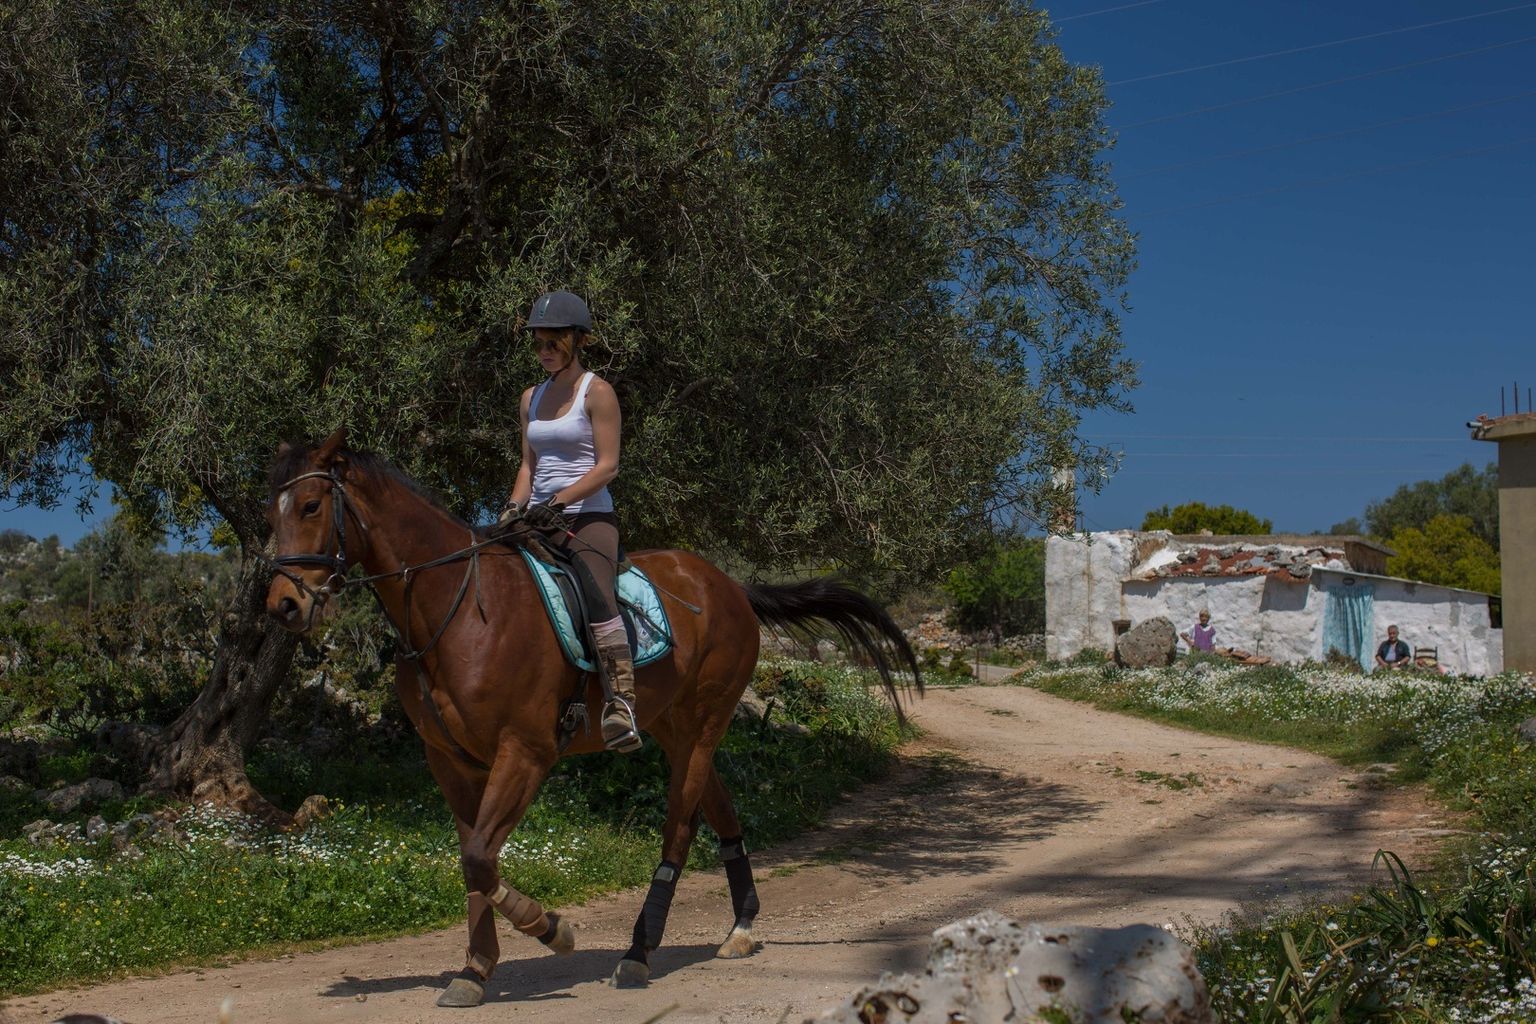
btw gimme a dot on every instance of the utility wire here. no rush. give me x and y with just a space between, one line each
1325 84
1326 136
1332 179
1107 10
1331 438
1226 455
1320 46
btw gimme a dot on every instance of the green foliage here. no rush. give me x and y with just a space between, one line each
1196 516
1447 550
388 860
1464 491
1003 591
799 226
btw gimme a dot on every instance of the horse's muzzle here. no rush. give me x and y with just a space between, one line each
289 613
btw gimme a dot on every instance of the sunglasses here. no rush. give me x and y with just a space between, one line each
540 344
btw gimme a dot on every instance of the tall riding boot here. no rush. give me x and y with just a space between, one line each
621 730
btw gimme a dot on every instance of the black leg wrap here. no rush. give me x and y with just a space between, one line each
738 871
553 930
653 916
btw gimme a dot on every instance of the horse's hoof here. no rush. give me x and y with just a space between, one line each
630 974
462 992
737 945
563 941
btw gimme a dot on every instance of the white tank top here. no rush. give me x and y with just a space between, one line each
564 451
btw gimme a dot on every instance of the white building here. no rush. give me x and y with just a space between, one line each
1286 597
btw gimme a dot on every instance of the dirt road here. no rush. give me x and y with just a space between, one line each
1040 808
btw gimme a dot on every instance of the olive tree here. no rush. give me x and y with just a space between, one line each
857 268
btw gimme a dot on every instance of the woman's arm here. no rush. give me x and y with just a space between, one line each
603 412
522 487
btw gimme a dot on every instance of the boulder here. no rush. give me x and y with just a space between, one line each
90 792
1149 645
988 967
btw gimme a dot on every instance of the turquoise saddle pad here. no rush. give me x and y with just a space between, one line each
645 620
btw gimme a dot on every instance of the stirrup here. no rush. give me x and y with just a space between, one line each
628 741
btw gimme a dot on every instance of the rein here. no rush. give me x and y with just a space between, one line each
339 581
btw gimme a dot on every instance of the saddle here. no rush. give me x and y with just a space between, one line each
645 620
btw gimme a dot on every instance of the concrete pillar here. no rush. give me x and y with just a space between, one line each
1516 438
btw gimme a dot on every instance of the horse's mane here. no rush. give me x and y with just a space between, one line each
294 460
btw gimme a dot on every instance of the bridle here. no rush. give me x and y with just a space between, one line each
338 563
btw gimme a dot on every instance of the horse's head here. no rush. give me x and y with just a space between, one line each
317 532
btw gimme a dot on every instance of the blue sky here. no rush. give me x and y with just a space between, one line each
1315 322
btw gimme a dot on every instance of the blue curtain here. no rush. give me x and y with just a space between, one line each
1349 619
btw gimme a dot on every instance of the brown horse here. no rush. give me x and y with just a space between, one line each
482 677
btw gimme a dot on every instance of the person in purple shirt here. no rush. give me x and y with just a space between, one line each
1202 635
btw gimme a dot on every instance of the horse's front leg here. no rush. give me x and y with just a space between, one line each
514 781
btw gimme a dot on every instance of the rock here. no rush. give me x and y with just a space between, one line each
310 811
989 968
13 784
138 828
95 828
751 707
1527 730
90 792
46 833
129 742
1149 645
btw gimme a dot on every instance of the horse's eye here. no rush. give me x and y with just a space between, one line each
311 507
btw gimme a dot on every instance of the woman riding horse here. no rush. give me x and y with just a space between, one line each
570 453
483 678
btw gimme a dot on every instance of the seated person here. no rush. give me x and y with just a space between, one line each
1202 635
1393 653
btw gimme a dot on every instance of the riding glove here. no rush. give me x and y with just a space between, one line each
546 515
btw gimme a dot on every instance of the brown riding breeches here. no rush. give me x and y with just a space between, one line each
596 553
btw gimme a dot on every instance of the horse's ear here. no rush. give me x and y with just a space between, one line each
325 455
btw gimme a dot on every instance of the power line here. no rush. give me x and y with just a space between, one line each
1320 46
1326 84
1222 455
1330 438
1326 136
1364 172
1107 10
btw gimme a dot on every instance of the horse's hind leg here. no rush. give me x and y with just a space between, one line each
691 768
721 815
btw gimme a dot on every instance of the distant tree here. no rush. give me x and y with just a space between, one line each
12 541
1195 516
1351 527
1002 591
1464 491
1447 551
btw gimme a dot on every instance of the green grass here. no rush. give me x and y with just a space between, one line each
386 861
1456 945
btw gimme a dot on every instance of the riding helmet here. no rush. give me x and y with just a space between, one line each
560 309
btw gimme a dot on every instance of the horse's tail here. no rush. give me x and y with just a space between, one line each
858 621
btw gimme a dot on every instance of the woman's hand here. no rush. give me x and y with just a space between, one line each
546 515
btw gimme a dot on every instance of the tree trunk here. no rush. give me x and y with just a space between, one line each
203 753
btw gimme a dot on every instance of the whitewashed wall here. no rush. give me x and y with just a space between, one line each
1455 621
1259 614
1086 590
1082 590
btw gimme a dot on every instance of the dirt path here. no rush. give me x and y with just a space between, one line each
1038 807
